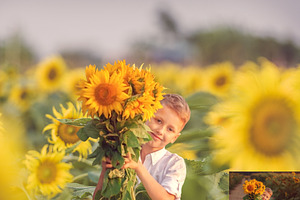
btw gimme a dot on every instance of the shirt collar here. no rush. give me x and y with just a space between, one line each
157 155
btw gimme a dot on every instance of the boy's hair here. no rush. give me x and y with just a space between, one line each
269 190
179 105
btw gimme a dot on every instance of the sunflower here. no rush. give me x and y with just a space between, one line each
22 96
63 135
193 80
50 73
263 130
103 94
9 168
169 75
73 80
249 187
48 174
139 106
147 94
218 78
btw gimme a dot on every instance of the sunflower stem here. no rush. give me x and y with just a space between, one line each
80 176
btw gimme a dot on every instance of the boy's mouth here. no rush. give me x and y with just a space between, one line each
155 136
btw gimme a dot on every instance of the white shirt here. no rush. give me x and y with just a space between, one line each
168 169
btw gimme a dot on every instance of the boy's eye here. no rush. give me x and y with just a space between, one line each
170 129
158 121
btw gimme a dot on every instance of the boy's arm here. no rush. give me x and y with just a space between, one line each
101 178
153 188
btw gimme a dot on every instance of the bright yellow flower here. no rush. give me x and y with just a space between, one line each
296 180
146 92
193 77
249 187
103 94
50 73
9 160
48 174
72 83
65 136
169 75
218 78
22 96
263 133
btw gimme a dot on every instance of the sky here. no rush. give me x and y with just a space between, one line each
108 28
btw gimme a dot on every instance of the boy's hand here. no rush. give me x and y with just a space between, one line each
130 163
106 164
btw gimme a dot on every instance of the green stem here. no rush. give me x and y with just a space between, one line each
80 176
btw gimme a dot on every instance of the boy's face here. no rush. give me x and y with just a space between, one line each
266 196
165 128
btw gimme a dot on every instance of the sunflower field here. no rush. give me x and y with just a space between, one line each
243 117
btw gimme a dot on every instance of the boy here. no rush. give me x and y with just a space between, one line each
161 172
267 194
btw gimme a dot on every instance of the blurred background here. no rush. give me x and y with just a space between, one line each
198 32
195 48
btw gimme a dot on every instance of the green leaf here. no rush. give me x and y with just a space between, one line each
141 193
201 100
195 166
113 187
224 183
130 139
193 134
99 156
140 132
75 122
80 190
95 153
91 130
82 135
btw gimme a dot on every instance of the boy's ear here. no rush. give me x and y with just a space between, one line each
175 138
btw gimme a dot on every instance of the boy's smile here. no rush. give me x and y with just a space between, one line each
165 128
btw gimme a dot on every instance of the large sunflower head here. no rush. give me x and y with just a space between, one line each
65 136
263 130
10 154
103 94
48 174
50 73
146 95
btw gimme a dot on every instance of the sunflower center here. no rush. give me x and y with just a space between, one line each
52 74
23 94
67 133
272 127
105 94
46 172
250 188
220 81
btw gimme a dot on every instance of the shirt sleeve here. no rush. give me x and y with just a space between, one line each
175 174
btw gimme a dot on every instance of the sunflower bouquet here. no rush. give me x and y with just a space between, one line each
253 189
118 99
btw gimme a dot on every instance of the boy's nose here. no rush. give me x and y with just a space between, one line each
159 130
